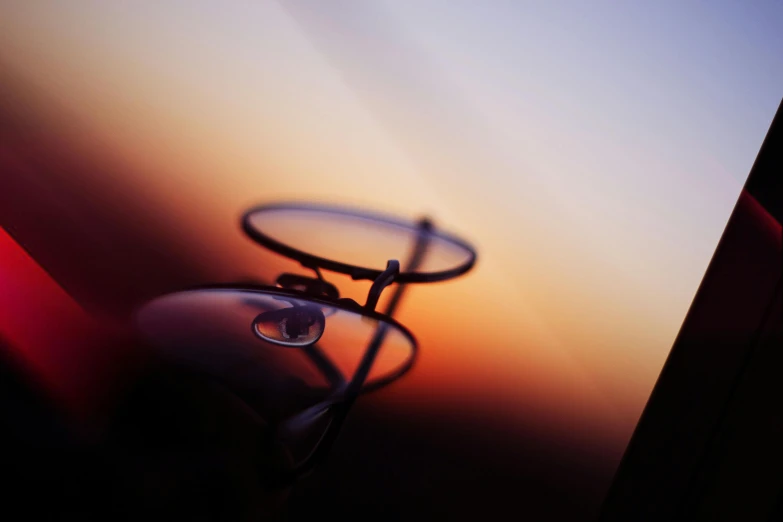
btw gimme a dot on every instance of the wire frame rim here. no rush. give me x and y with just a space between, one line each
357 272
369 386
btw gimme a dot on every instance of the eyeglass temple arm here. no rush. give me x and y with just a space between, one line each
341 409
417 257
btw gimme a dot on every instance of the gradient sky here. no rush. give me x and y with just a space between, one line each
593 151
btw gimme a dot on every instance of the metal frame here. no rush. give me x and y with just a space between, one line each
407 275
340 405
318 291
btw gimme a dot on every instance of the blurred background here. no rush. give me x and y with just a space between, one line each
592 152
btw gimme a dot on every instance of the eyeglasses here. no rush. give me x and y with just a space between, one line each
286 349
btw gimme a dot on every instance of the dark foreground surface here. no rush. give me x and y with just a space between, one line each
177 448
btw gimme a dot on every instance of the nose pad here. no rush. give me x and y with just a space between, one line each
297 326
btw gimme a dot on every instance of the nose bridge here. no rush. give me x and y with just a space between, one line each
309 285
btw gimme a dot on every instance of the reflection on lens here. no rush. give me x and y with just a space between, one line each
297 326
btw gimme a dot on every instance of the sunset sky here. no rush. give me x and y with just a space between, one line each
592 151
